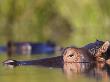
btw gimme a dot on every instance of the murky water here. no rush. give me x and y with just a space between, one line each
70 72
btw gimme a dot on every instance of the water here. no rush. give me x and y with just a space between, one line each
45 74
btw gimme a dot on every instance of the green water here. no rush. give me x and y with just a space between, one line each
36 73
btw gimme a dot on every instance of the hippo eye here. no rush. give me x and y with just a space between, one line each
71 55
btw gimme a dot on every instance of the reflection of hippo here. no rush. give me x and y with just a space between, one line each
87 54
98 71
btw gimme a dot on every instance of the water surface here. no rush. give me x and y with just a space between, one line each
70 72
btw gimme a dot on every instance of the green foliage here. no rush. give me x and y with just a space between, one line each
88 18
65 22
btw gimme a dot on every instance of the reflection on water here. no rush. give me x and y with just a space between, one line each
99 71
74 72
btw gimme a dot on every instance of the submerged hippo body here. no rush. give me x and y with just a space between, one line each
86 54
93 48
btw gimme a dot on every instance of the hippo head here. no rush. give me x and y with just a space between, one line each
71 54
79 55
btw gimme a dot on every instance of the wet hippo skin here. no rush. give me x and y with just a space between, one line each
87 54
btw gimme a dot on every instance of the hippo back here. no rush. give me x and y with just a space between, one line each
93 47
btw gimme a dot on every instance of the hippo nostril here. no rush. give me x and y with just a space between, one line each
71 55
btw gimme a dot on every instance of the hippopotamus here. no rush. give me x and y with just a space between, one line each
89 53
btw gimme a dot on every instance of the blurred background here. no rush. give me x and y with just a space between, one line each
63 22
69 22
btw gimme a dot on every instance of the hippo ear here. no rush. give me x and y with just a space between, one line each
102 49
